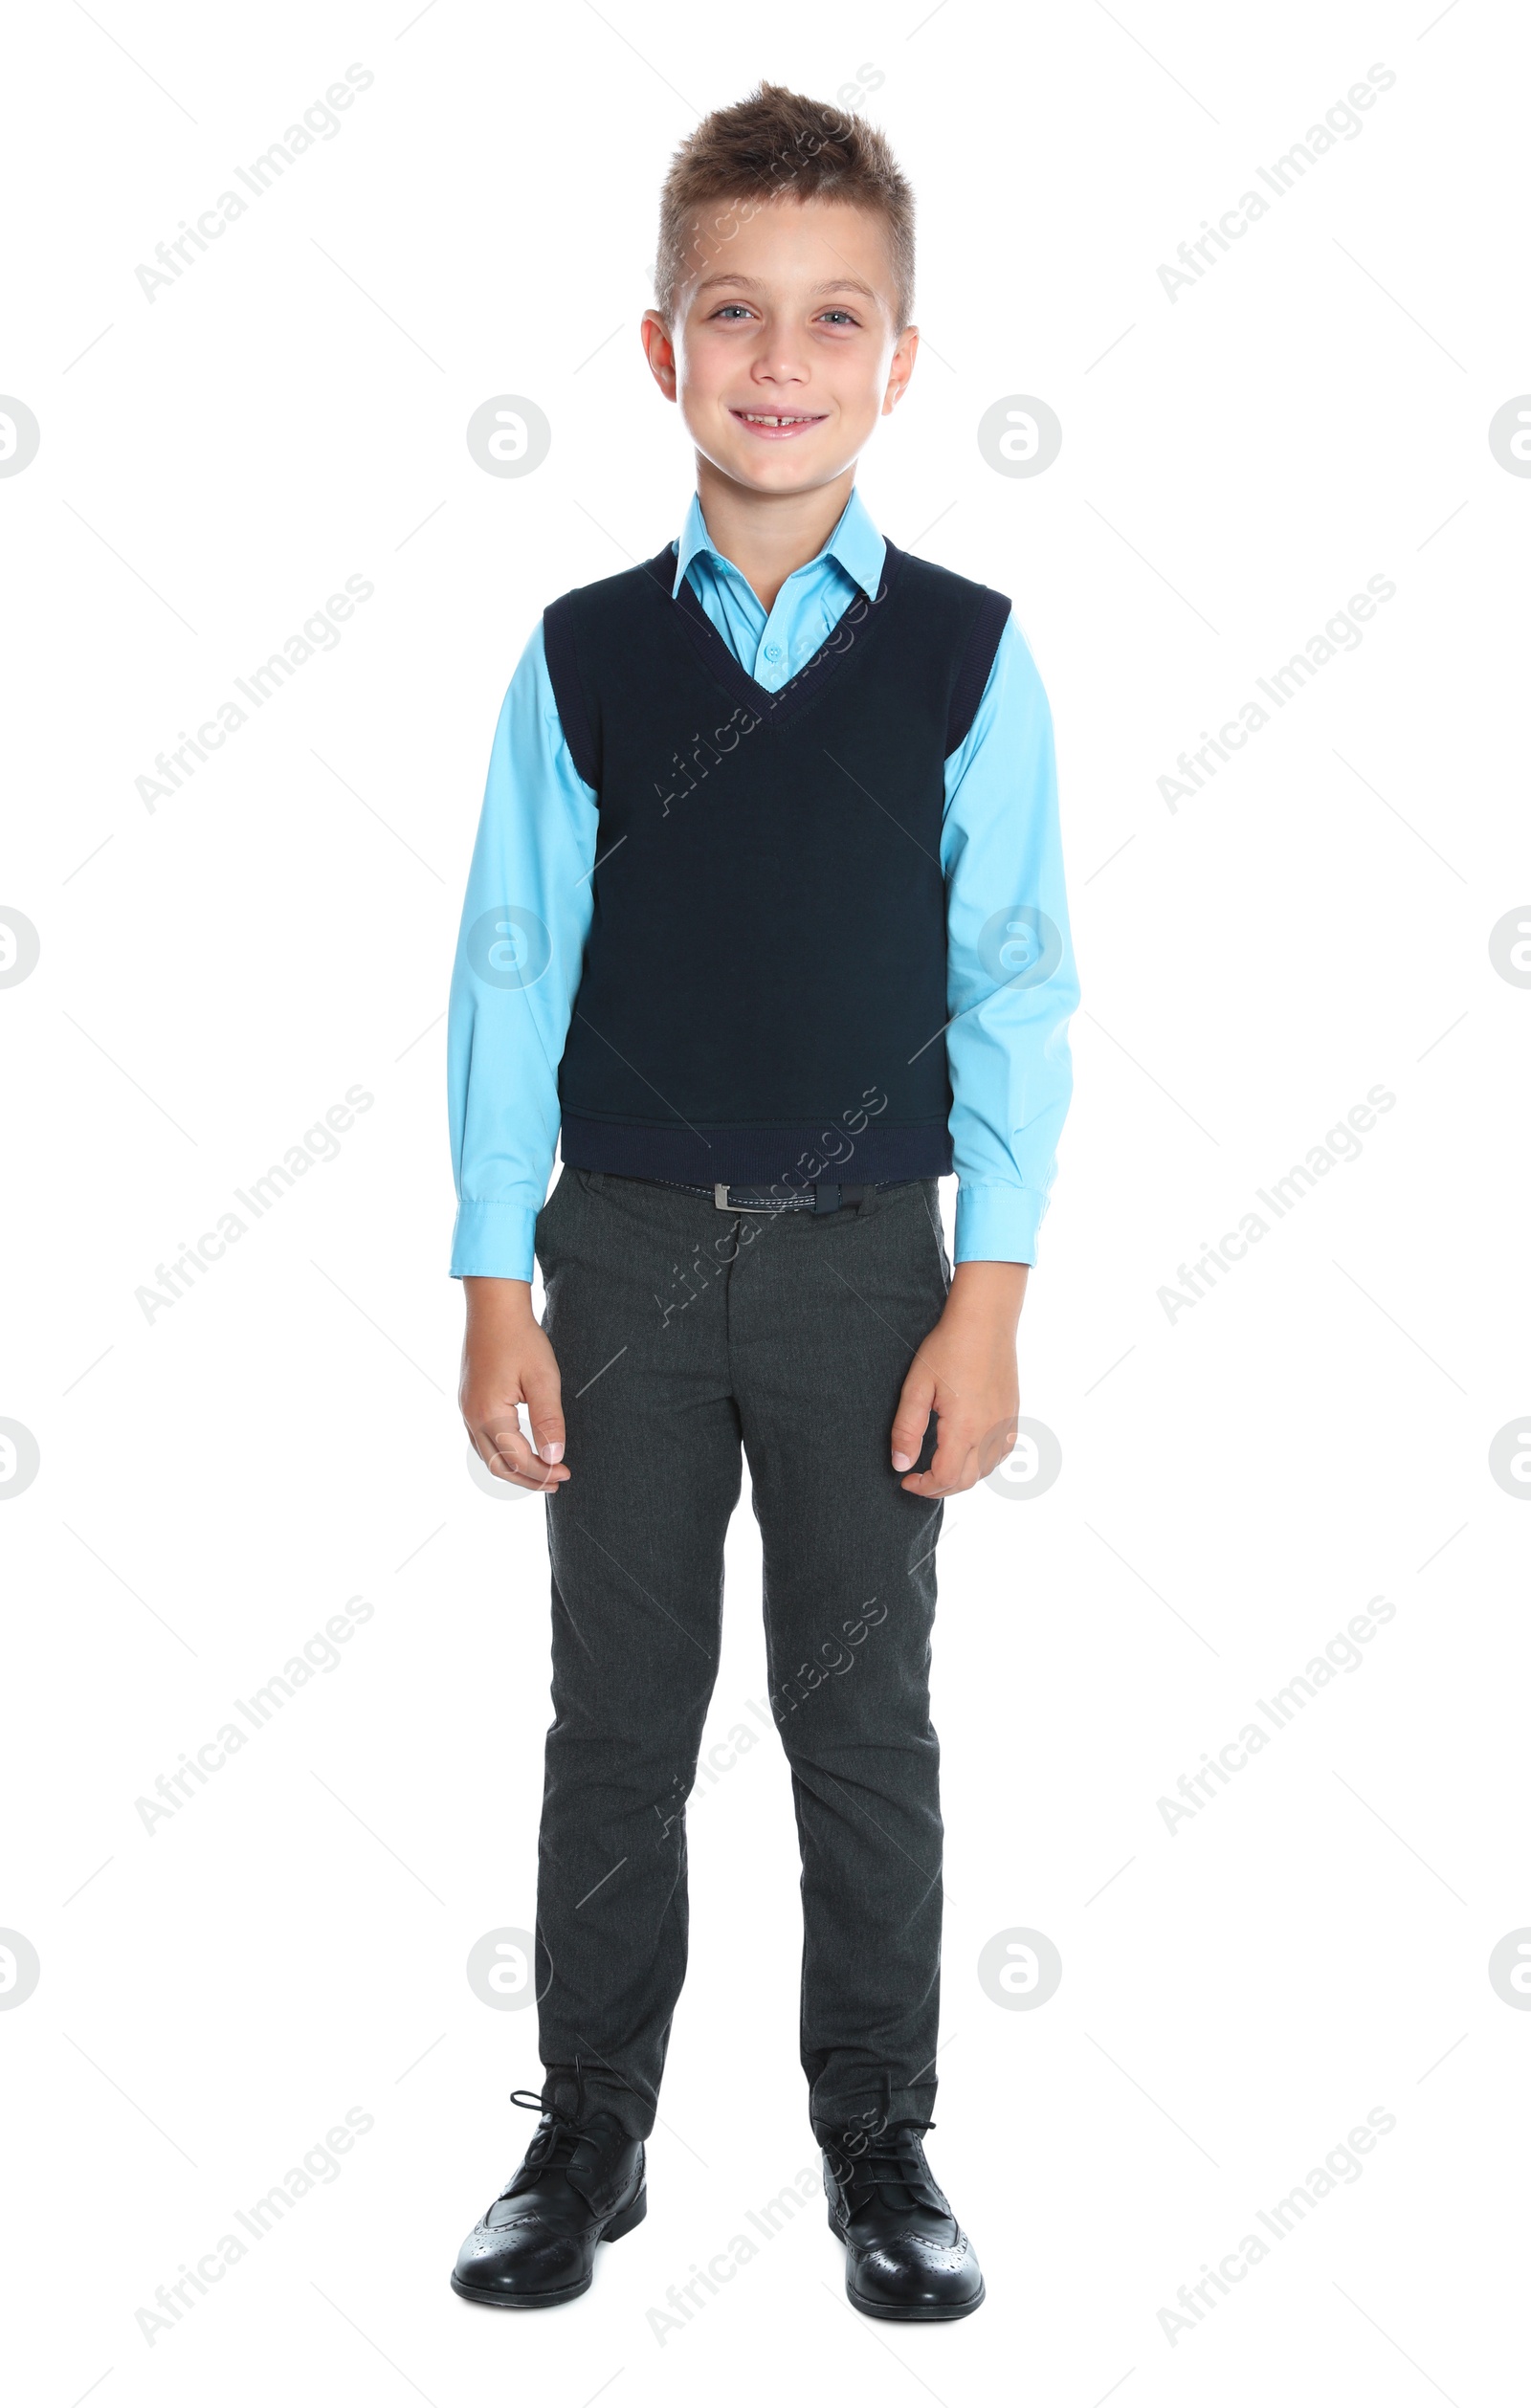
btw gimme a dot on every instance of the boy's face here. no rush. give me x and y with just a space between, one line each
784 353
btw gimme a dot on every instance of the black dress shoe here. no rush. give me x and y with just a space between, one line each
580 2183
906 2256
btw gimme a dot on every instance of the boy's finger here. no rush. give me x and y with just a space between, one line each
506 1452
996 1445
952 1466
546 1412
912 1417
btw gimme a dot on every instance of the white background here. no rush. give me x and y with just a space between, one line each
1237 1482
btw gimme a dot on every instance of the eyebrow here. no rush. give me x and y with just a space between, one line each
754 284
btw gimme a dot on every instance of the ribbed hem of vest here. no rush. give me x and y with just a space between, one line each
997 1225
756 1156
493 1241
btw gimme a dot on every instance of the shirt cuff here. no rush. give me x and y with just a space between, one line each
493 1241
997 1225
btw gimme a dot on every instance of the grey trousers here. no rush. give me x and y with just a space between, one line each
682 1334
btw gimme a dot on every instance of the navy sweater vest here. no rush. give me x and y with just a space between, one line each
764 989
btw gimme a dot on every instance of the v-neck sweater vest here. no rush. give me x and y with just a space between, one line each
763 987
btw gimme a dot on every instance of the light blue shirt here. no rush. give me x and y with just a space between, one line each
1006 1040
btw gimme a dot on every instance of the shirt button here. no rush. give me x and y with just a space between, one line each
774 652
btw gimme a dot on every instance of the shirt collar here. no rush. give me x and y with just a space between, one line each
854 544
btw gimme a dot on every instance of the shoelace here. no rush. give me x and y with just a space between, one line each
549 2150
891 2162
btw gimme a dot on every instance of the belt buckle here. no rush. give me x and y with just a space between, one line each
720 1197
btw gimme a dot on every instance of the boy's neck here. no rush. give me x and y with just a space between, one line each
766 535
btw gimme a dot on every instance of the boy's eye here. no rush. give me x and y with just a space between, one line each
734 310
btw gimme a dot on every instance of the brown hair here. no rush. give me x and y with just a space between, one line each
776 141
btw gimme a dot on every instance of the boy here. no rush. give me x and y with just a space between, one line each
766 906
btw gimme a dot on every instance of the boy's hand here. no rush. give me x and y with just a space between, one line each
506 1361
966 1373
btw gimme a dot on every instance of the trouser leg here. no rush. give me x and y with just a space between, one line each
825 1320
636 1537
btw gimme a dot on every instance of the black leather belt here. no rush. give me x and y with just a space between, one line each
823 1197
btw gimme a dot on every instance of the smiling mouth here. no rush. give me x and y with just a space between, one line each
775 425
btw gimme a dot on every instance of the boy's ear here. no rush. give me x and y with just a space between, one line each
659 351
901 369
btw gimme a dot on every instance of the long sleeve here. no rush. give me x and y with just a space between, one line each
524 921
1011 979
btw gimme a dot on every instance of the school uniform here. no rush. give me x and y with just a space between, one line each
766 919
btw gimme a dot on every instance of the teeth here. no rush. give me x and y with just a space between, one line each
756 418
